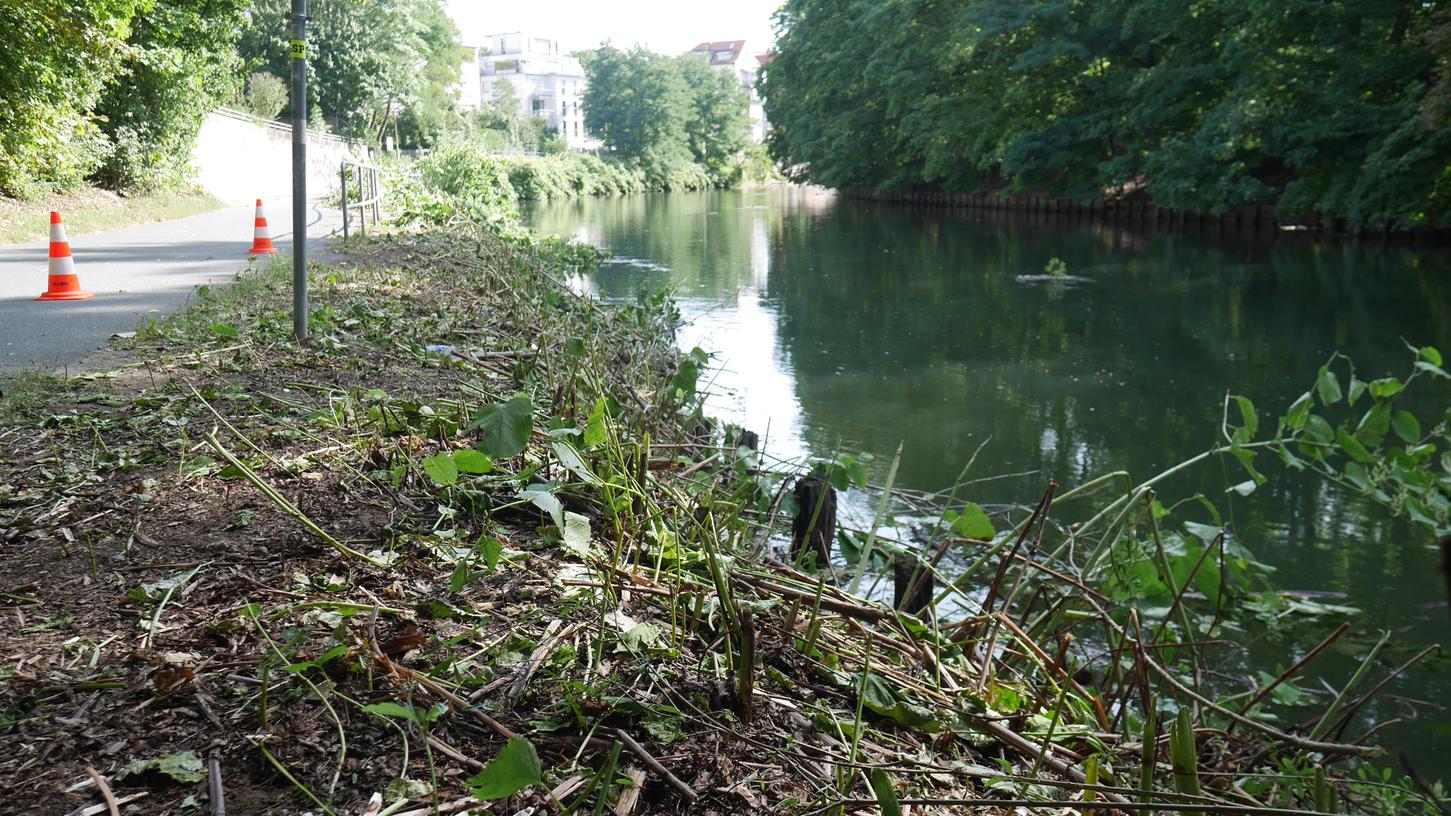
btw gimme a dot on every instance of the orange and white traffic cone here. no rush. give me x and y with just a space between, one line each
262 236
63 284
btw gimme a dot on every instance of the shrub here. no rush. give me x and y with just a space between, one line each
266 95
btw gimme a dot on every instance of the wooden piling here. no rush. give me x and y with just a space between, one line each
814 526
912 597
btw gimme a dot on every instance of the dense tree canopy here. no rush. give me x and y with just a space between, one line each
180 59
666 112
373 64
1334 109
110 90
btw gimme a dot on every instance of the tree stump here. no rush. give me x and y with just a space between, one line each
815 524
914 600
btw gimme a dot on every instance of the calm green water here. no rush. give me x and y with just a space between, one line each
856 327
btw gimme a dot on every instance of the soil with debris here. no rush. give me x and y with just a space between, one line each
174 630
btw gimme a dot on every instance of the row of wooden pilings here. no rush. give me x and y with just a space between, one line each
1124 210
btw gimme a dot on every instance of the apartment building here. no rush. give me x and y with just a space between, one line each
730 56
548 83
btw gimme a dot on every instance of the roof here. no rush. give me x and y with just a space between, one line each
766 58
715 50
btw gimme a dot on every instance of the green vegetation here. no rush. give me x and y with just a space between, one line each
1329 111
498 126
377 66
108 90
466 180
95 210
266 95
663 114
113 92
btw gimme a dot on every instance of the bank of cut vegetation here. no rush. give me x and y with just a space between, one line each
476 542
1335 111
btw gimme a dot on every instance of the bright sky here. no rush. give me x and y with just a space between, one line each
668 26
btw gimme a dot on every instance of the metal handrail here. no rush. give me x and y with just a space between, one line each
371 192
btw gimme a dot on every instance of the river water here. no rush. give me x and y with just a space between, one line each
855 327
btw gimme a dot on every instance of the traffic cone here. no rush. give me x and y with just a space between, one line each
63 283
262 238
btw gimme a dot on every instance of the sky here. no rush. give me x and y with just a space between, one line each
668 26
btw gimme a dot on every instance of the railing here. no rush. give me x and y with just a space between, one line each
369 194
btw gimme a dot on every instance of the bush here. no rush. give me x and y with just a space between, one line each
56 58
266 95
456 181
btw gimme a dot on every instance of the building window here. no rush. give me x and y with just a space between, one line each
724 56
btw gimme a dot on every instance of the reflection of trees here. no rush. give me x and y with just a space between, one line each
909 325
703 239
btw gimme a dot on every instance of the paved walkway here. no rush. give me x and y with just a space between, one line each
137 272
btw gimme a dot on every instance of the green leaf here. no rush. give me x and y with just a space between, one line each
1406 426
1357 387
1374 424
972 522
441 469
1299 411
1385 388
1246 458
1352 447
491 548
504 427
594 429
460 578
1327 385
1429 354
545 500
224 330
572 462
886 795
514 769
1422 365
1247 413
394 710
576 535
472 461
1243 488
183 766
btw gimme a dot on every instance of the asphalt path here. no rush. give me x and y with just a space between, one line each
137 273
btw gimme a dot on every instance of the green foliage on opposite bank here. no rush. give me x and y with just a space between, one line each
462 180
663 113
1328 109
574 174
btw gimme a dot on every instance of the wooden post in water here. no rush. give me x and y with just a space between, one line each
912 597
815 524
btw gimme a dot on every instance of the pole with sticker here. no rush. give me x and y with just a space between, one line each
299 169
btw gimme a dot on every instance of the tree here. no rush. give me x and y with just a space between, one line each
57 57
180 60
637 102
717 125
666 113
374 64
266 94
1320 110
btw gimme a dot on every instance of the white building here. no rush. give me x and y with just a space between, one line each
547 83
729 56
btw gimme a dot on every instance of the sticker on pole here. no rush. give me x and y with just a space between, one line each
299 49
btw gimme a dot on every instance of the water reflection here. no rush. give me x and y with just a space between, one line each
842 325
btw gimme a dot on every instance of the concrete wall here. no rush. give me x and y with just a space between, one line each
239 158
